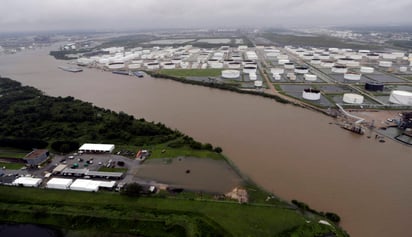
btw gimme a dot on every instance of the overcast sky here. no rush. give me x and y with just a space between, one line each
30 15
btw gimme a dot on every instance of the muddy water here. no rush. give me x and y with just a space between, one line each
291 151
197 174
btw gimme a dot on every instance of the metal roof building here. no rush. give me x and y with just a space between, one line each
96 148
59 183
27 182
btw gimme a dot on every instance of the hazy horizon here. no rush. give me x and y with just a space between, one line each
89 15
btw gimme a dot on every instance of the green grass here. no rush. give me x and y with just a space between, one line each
11 166
9 154
163 151
238 220
105 169
191 72
195 216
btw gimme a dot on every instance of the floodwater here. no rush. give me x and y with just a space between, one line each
293 152
198 174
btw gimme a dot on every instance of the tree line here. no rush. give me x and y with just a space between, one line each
26 113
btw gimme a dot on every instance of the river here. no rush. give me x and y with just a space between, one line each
295 153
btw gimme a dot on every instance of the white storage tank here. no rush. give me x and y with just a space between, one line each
230 74
249 69
389 56
401 97
289 65
153 66
367 69
307 56
403 69
351 98
310 77
283 61
252 76
324 56
311 94
216 65
234 65
258 83
327 64
116 66
277 70
352 76
315 61
169 65
339 69
385 63
372 56
301 70
133 66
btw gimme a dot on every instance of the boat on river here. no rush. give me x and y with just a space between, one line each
70 69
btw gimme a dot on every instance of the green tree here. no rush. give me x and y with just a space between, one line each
132 190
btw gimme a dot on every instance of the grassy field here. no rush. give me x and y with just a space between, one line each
11 166
164 151
196 217
12 154
191 72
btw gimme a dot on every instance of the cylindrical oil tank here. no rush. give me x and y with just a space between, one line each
311 94
169 65
283 61
258 83
234 65
315 61
277 70
372 56
339 69
327 64
374 86
249 69
301 70
351 98
401 97
310 77
289 65
367 69
230 74
385 63
352 76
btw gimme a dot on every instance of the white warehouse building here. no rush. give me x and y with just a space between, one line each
97 148
59 183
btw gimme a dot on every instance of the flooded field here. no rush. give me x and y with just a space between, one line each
197 174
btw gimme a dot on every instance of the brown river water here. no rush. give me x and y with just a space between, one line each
293 152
